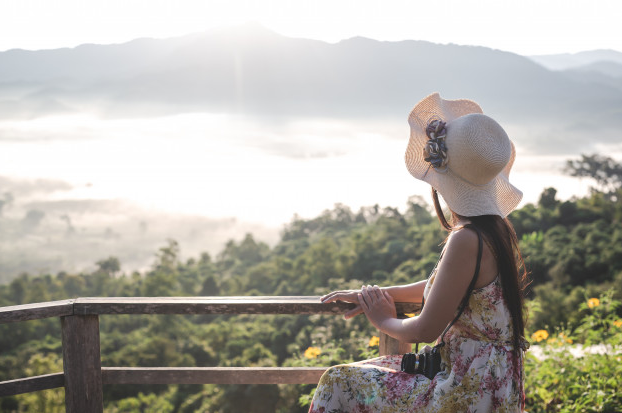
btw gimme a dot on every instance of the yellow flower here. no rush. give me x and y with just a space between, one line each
540 335
409 315
312 352
593 302
551 341
374 341
618 323
563 338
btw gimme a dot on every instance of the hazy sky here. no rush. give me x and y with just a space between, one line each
525 27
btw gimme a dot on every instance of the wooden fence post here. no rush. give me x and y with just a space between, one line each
390 345
82 364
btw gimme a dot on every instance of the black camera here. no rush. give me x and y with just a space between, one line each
427 363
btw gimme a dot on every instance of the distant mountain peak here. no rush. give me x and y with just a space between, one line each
361 39
565 61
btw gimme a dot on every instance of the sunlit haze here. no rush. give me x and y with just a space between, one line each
170 164
232 122
527 27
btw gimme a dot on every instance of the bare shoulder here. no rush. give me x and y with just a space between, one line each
462 241
462 251
460 254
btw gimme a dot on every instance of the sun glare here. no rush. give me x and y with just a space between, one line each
227 166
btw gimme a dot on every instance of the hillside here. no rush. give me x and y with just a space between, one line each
255 71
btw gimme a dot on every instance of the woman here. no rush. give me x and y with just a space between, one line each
476 289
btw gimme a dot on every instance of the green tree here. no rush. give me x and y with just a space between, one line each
605 171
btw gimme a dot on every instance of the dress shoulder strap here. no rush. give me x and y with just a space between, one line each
465 300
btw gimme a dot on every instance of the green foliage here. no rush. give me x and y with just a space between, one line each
605 171
573 250
570 245
561 382
52 401
144 403
601 323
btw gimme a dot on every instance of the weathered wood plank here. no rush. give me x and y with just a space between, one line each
35 311
82 364
212 375
389 345
216 305
30 384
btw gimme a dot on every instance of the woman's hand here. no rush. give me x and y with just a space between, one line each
378 305
348 296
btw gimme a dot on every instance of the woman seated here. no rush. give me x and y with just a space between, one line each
473 299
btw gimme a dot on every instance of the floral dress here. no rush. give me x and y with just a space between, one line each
479 372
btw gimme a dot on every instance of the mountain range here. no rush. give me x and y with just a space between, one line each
253 71
565 61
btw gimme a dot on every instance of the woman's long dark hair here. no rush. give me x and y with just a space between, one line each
501 236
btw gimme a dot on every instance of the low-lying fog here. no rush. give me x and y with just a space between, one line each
76 189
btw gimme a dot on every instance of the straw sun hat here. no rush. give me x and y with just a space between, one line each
465 155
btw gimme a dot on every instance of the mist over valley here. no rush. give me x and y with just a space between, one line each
110 150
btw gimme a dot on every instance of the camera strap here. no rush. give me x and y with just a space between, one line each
465 300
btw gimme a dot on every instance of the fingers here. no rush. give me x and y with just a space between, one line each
377 292
372 294
347 296
365 292
363 303
354 312
391 302
329 297
368 297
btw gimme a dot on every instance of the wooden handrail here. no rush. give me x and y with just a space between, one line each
83 375
30 384
180 305
35 311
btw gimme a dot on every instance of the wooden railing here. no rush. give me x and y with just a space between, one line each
83 377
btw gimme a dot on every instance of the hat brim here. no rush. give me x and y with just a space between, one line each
497 197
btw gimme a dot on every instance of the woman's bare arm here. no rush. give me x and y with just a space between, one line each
450 284
409 293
